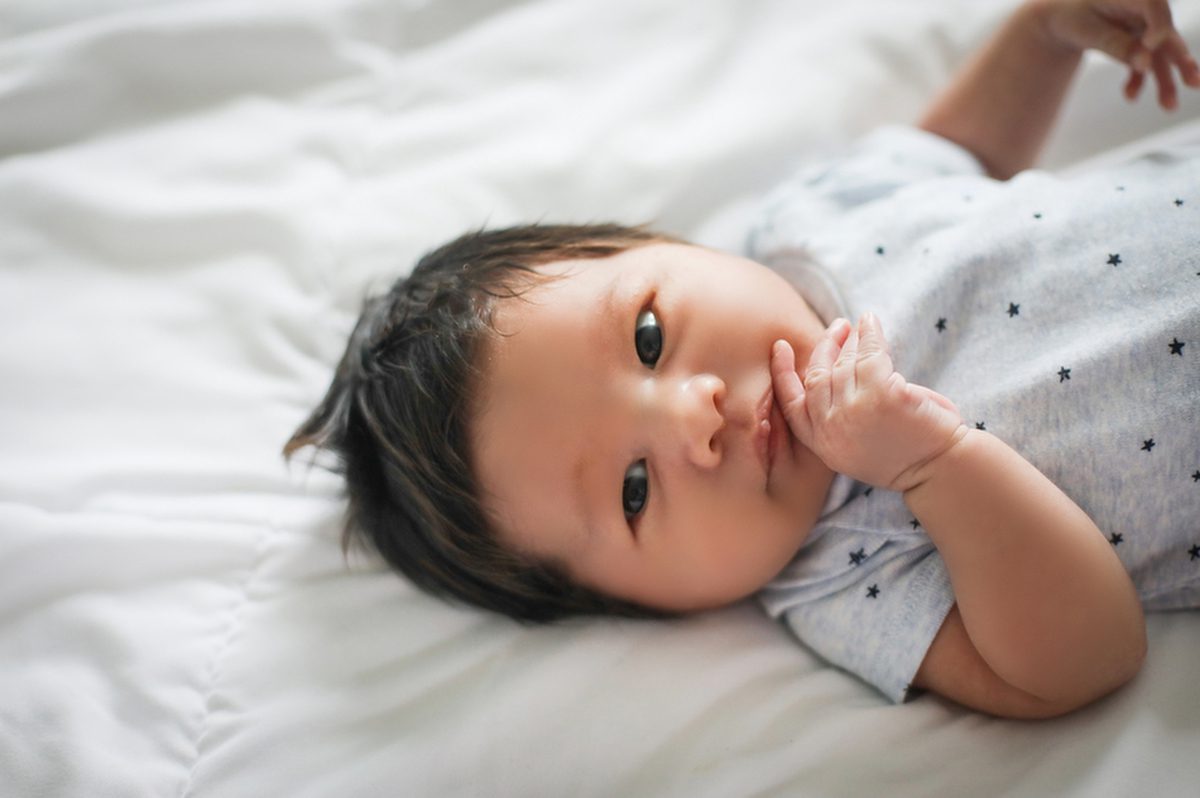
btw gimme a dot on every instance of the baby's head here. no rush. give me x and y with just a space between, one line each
557 420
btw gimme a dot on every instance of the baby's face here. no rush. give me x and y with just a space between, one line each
620 427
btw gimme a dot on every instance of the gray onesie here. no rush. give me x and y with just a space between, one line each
1061 315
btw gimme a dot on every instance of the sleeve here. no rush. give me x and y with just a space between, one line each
875 619
874 168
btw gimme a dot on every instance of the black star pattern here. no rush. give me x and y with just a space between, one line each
1195 552
1116 538
878 250
1064 374
915 523
941 325
1147 445
856 557
1114 260
1176 347
979 425
1037 216
1178 202
873 590
1013 310
1196 476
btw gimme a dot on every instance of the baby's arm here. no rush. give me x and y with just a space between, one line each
1003 103
1046 618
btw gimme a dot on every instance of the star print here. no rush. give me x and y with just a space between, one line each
1114 260
856 557
915 523
878 250
1195 552
979 425
1176 347
1147 445
1116 538
1178 202
1037 216
1013 310
1196 476
941 325
1064 374
873 590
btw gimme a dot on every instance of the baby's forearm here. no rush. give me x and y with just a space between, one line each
1042 595
1003 103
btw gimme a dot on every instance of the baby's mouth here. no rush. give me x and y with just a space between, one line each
779 436
765 439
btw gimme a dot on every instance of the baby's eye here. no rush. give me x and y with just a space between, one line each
635 489
648 338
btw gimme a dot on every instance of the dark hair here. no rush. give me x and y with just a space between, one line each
397 417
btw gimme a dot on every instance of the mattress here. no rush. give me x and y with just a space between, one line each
194 199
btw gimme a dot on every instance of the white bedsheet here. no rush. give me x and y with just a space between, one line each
194 197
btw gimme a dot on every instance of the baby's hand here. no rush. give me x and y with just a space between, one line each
857 413
1138 33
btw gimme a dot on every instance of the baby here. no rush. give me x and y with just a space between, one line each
561 420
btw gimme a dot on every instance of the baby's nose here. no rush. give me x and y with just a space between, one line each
698 418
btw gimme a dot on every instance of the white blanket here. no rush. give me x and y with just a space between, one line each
195 196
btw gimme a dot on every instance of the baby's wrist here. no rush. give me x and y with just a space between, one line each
926 470
1039 21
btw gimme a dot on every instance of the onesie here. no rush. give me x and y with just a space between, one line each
1060 314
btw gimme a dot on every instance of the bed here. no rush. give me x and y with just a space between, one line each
194 199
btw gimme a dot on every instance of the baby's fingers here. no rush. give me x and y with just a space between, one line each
874 362
1133 86
818 374
789 391
844 370
1176 53
1171 55
1167 95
